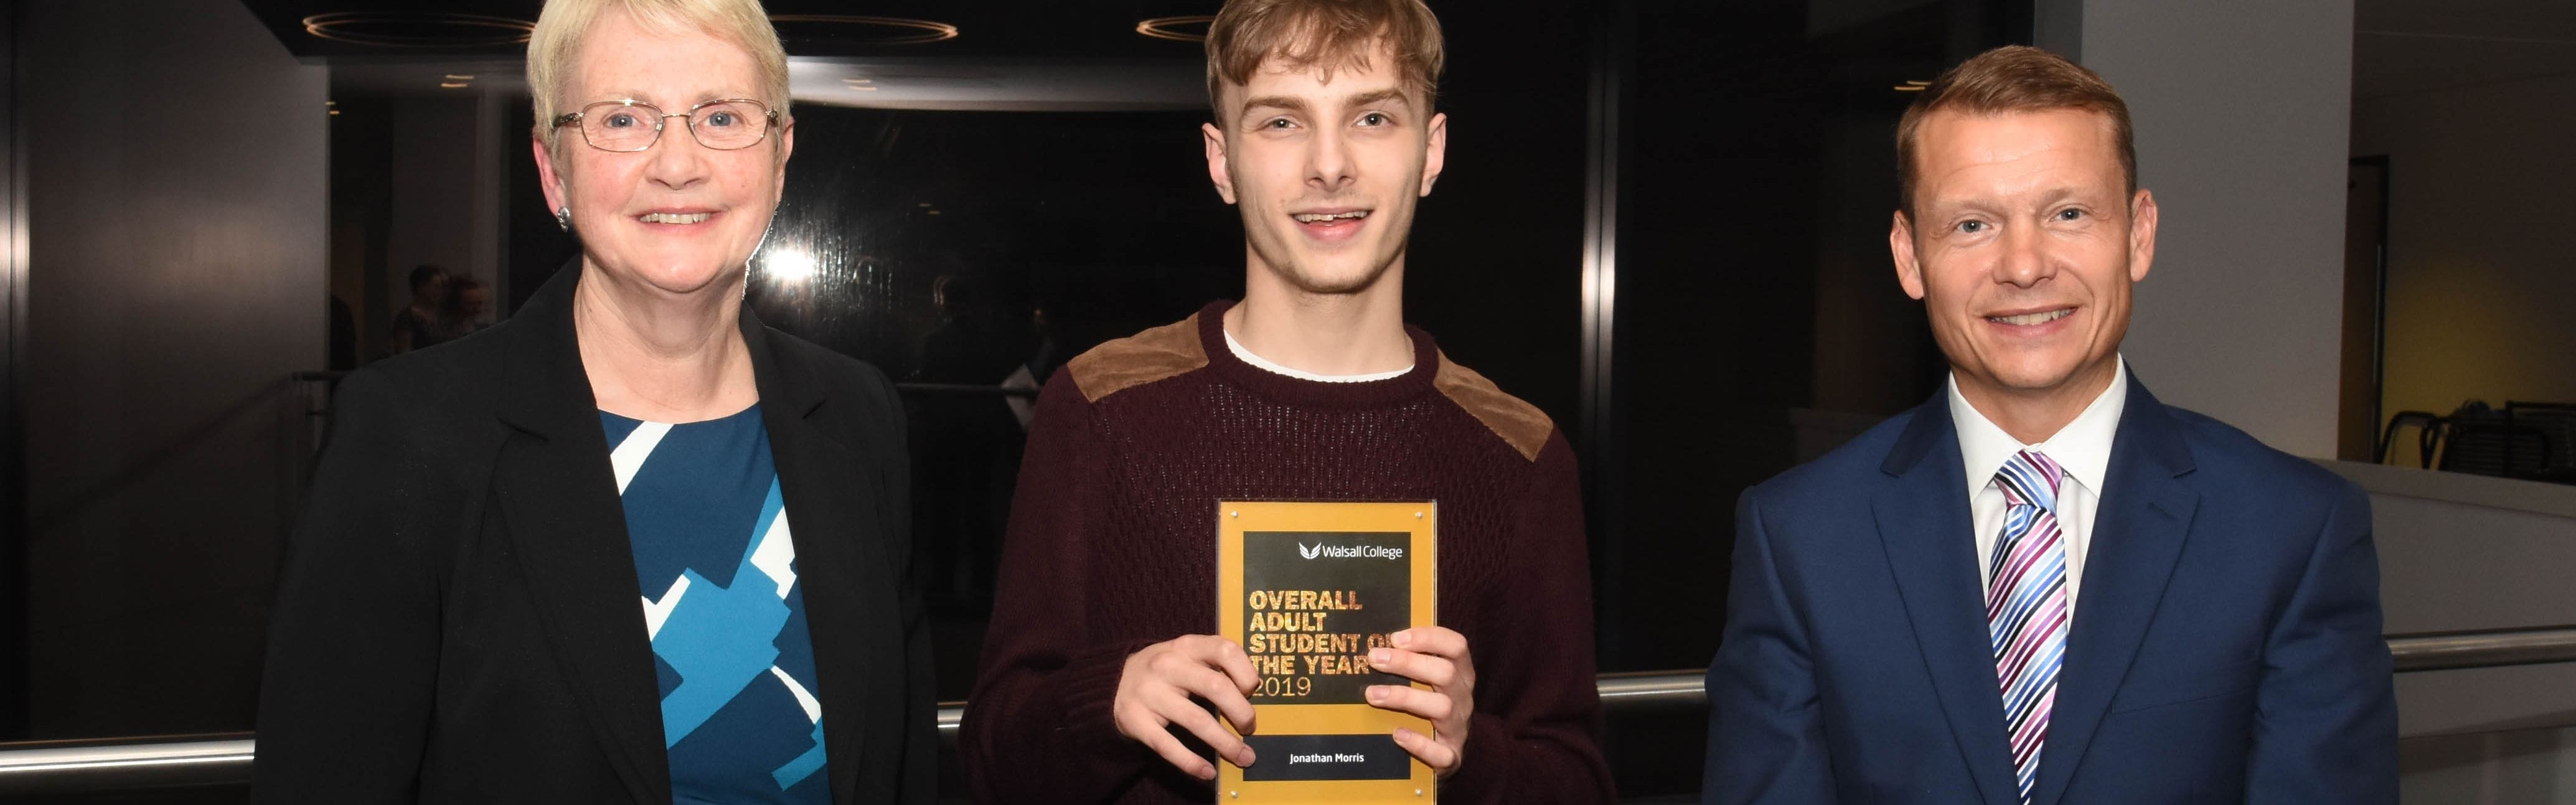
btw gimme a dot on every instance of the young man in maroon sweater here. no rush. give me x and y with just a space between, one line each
1098 677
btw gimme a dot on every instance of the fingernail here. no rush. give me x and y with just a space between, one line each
1247 758
1378 655
1401 639
1376 694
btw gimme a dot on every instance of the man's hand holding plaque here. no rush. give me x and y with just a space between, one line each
1155 690
1438 657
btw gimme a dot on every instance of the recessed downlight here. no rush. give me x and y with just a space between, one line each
889 30
1192 28
417 29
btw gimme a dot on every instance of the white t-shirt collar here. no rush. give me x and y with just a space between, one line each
1266 365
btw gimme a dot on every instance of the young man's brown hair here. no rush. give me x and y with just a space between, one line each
1323 34
2019 78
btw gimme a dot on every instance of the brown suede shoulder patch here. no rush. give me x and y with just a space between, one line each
1520 424
1138 359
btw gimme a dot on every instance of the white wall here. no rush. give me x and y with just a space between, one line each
2481 290
2519 767
2242 111
2464 552
175 280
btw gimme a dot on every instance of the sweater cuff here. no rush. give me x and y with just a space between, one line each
1088 691
1485 767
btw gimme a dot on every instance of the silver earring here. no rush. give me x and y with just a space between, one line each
563 218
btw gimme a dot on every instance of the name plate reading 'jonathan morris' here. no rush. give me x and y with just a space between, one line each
1307 588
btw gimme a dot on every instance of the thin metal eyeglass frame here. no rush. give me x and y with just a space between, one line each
769 120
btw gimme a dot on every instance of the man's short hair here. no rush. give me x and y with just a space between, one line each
1326 35
2014 78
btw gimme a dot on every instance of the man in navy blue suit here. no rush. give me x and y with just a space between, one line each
2043 585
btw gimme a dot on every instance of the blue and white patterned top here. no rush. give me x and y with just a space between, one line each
741 713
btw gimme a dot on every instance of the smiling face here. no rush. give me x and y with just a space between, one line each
1325 170
678 217
2023 247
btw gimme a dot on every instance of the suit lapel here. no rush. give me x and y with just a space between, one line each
1922 514
835 503
563 517
2138 534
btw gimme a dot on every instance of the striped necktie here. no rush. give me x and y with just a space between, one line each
2026 606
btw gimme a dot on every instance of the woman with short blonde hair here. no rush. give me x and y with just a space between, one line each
630 545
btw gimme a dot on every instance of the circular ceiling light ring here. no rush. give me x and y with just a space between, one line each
1191 28
409 27
912 31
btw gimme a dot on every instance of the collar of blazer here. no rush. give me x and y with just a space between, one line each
546 388
559 498
1922 515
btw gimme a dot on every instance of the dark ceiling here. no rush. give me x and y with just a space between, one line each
986 28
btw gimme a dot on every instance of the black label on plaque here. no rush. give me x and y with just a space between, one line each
1326 757
1315 603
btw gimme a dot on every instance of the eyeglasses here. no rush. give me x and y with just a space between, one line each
629 125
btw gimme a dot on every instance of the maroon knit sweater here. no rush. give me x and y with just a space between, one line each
1112 547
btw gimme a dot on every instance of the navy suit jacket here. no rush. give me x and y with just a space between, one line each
2226 648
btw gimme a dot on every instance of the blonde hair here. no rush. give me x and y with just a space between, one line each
556 43
1326 34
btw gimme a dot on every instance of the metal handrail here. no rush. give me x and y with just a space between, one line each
2443 651
207 760
1646 690
334 375
117 764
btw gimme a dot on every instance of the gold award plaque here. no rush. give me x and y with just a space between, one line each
1307 588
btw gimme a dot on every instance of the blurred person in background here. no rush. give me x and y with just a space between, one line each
467 300
416 325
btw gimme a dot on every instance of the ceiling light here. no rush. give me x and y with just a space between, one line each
455 77
452 84
1191 28
905 31
400 29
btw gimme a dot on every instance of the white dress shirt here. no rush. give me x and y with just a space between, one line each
2082 448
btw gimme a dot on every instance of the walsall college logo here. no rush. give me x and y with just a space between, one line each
1322 551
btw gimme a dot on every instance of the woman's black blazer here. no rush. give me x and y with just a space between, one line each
458 618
